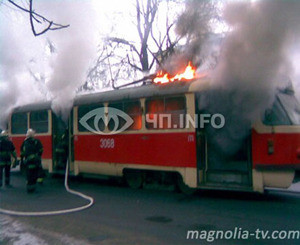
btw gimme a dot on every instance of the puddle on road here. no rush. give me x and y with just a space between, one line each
159 219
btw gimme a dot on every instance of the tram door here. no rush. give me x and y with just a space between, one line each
223 159
225 168
60 143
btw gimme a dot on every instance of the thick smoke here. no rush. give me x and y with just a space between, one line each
260 49
18 52
192 26
295 77
254 57
9 68
76 48
25 57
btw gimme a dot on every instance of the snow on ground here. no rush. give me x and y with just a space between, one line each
13 232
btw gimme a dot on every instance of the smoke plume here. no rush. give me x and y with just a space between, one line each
18 52
254 56
194 25
261 47
30 73
76 48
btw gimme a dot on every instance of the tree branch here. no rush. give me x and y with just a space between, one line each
123 41
133 65
138 17
33 16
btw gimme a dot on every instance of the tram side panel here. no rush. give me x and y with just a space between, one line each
159 149
171 150
275 155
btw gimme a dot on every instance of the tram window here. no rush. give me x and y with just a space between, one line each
114 125
291 106
82 111
276 116
39 121
175 106
132 109
19 123
154 107
170 107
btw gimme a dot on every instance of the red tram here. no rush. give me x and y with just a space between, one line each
172 152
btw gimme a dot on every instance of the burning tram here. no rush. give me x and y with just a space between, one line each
99 141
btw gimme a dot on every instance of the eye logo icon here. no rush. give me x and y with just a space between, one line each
100 114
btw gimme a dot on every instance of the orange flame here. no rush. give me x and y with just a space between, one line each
188 74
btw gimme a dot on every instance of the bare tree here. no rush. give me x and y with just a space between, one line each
123 58
139 58
36 18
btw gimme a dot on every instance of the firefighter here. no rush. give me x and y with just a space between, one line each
31 152
7 150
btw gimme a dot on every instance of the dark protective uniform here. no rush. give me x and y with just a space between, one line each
7 149
31 153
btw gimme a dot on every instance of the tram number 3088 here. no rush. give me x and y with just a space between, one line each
107 143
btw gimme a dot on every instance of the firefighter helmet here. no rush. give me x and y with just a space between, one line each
4 133
30 133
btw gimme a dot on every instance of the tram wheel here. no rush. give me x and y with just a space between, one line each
182 187
134 178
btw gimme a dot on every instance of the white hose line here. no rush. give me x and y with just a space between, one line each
56 212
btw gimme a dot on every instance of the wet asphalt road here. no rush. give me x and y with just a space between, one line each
122 215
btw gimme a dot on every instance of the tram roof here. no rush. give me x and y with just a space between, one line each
126 94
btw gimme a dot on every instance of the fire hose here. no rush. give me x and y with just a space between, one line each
55 212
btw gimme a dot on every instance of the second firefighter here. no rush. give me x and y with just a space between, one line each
31 153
